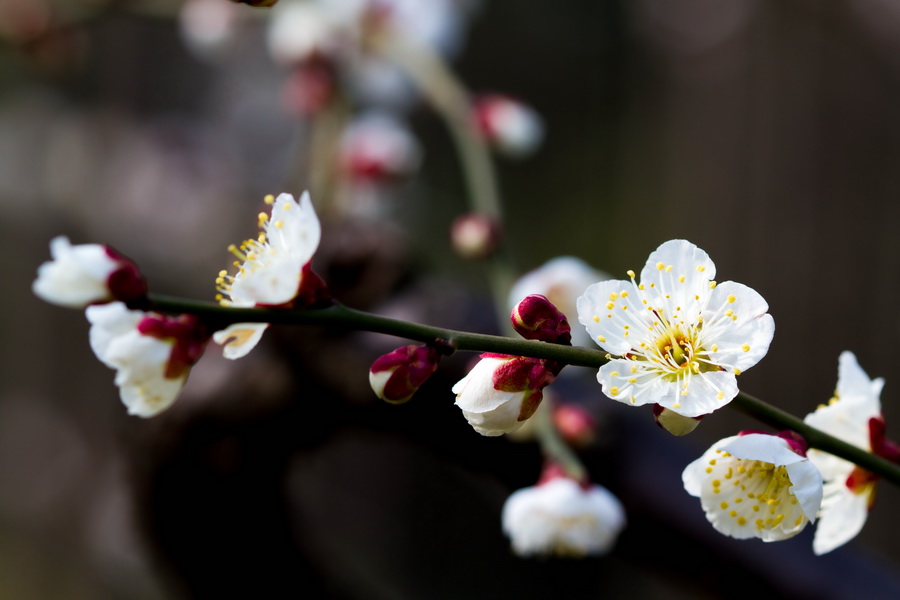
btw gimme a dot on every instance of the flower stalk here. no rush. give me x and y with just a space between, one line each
216 316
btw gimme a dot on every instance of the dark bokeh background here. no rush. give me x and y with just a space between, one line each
767 133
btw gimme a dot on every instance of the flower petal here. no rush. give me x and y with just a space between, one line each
239 338
841 517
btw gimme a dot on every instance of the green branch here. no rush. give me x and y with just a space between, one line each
342 317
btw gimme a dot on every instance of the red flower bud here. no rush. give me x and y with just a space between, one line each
535 318
397 375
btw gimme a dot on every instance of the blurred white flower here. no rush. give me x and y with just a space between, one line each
854 416
562 517
678 339
756 485
377 146
152 354
86 273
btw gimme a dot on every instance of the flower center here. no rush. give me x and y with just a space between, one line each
755 493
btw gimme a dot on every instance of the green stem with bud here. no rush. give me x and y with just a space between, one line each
343 317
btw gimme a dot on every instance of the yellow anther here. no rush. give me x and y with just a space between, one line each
712 461
701 268
600 338
269 199
279 224
596 319
613 296
746 347
286 206
715 348
610 305
223 273
731 298
614 374
729 312
614 391
660 266
624 293
723 505
633 370
716 483
741 521
640 286
632 380
756 508
681 279
709 469
624 307
630 273
737 371
732 513
712 284
738 500
668 268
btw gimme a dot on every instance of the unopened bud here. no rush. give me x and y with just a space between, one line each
575 424
674 423
475 236
508 125
397 375
535 318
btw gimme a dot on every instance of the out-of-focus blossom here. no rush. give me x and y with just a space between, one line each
509 126
560 516
673 422
756 485
257 3
574 423
85 274
854 416
342 32
378 147
274 270
501 392
561 280
151 353
475 236
536 318
208 25
678 339
397 375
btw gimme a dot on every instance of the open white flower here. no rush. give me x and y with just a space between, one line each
152 354
562 517
86 273
849 490
676 338
274 269
756 485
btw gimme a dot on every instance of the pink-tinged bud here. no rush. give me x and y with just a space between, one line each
475 236
575 424
673 422
501 392
312 292
535 318
397 375
310 86
378 148
508 125
87 274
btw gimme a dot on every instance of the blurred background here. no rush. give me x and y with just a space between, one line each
766 133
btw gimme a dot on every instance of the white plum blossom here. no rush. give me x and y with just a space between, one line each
849 490
561 280
675 338
756 485
501 392
562 517
86 273
274 269
151 354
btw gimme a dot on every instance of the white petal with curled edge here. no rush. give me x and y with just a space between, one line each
239 339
